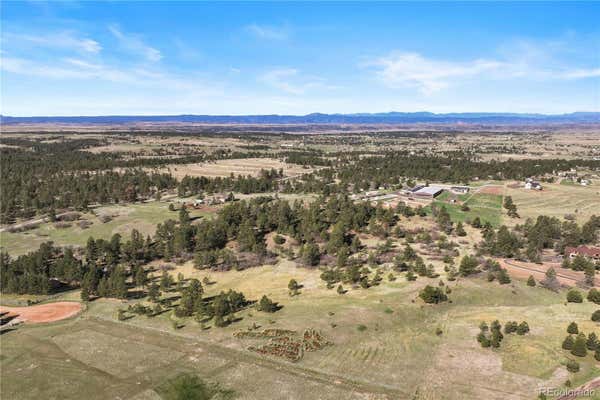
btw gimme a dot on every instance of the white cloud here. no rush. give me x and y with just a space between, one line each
428 75
291 81
521 60
135 44
73 68
581 73
268 32
65 40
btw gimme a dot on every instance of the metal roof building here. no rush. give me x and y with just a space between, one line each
428 191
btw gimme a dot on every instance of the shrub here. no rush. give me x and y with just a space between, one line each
279 239
596 316
523 328
432 295
510 327
574 296
594 295
572 366
361 328
531 281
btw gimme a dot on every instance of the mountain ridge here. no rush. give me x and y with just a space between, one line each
393 117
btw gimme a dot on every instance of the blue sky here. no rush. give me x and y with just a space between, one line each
86 58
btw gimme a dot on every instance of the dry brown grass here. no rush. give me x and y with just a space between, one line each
244 166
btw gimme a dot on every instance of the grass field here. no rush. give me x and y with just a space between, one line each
142 217
488 207
557 200
244 166
397 354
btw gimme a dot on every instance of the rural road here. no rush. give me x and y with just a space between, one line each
31 222
567 277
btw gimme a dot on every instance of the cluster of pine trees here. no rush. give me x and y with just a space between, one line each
528 240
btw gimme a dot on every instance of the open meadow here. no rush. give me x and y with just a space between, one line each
385 343
100 223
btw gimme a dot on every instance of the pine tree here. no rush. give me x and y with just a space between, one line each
594 295
579 347
572 328
468 265
140 277
266 305
568 343
531 281
460 229
153 292
592 342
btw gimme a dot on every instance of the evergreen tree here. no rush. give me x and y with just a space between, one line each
572 328
574 296
460 229
141 277
265 304
579 347
468 265
594 295
153 292
531 281
592 342
568 343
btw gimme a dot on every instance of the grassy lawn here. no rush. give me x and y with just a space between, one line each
485 200
486 214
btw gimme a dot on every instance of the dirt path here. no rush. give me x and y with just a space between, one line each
49 312
524 269
36 221
586 387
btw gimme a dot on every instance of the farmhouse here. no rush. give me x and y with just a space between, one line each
586 251
427 191
530 184
460 189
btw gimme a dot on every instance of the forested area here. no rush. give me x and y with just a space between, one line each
42 176
246 222
328 227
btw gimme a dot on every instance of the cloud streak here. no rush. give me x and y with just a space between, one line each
291 81
268 32
428 75
135 44
63 40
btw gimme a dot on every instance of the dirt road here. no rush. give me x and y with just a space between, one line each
522 269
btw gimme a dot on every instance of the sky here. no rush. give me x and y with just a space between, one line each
226 58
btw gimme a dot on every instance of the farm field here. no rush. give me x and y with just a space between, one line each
124 218
396 355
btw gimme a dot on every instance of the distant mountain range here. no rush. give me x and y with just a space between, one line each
317 118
